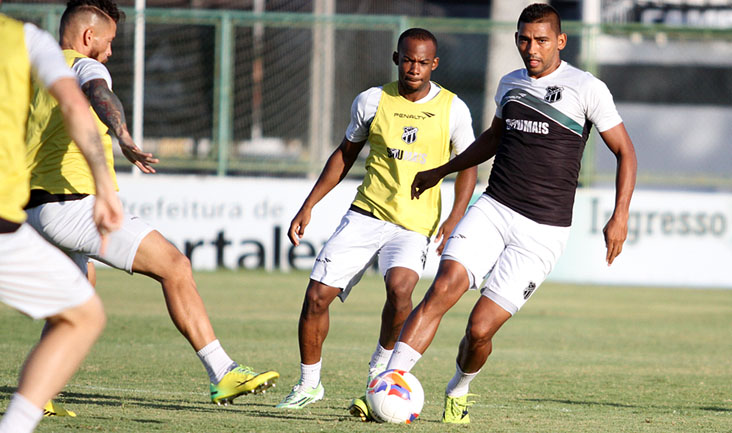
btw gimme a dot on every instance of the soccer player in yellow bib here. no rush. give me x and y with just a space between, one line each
62 197
36 278
410 125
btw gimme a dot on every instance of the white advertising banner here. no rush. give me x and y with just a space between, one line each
241 222
674 239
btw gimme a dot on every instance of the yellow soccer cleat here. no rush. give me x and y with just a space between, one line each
456 409
241 380
54 409
360 409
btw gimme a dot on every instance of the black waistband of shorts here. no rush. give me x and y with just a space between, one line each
361 211
8 226
39 197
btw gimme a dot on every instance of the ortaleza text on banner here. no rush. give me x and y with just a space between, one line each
674 238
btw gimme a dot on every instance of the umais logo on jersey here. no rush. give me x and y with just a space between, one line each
410 134
401 155
531 126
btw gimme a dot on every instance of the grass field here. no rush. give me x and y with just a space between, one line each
575 359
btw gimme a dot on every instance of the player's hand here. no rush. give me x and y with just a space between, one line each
107 215
615 232
297 226
443 233
136 156
423 181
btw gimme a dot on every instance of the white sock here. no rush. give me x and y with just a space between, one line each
380 356
310 374
459 385
21 416
216 361
403 358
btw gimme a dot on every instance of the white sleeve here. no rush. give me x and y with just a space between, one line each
600 109
363 111
500 91
47 61
87 69
461 126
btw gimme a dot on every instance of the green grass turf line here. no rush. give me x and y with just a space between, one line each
575 359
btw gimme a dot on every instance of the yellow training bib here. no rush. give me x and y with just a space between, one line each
405 138
14 97
55 161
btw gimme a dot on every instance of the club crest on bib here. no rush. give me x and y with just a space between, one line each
529 290
553 94
410 134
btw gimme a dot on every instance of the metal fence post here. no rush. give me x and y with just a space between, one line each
223 89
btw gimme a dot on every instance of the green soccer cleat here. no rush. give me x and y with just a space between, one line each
241 380
54 409
360 409
300 396
373 372
456 409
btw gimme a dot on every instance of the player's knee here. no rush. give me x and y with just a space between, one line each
479 333
89 316
97 318
177 268
440 291
181 263
316 301
399 296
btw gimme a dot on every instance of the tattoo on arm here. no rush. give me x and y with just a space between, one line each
94 152
107 106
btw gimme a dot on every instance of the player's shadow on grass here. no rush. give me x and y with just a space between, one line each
623 405
70 398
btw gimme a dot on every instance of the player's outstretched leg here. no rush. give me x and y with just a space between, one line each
421 326
160 260
312 331
475 347
400 283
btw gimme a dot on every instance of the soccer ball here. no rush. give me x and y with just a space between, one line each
395 396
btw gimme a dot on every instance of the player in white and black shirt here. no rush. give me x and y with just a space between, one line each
547 121
517 230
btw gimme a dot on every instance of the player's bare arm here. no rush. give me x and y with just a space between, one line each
482 149
464 188
110 111
336 168
616 229
82 129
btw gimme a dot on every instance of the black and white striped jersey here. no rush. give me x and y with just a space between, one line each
548 121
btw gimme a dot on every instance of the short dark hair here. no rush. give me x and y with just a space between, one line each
540 13
417 33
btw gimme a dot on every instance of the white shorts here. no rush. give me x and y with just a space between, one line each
358 241
70 226
36 278
517 252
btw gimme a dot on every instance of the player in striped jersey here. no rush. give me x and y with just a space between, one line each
517 230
